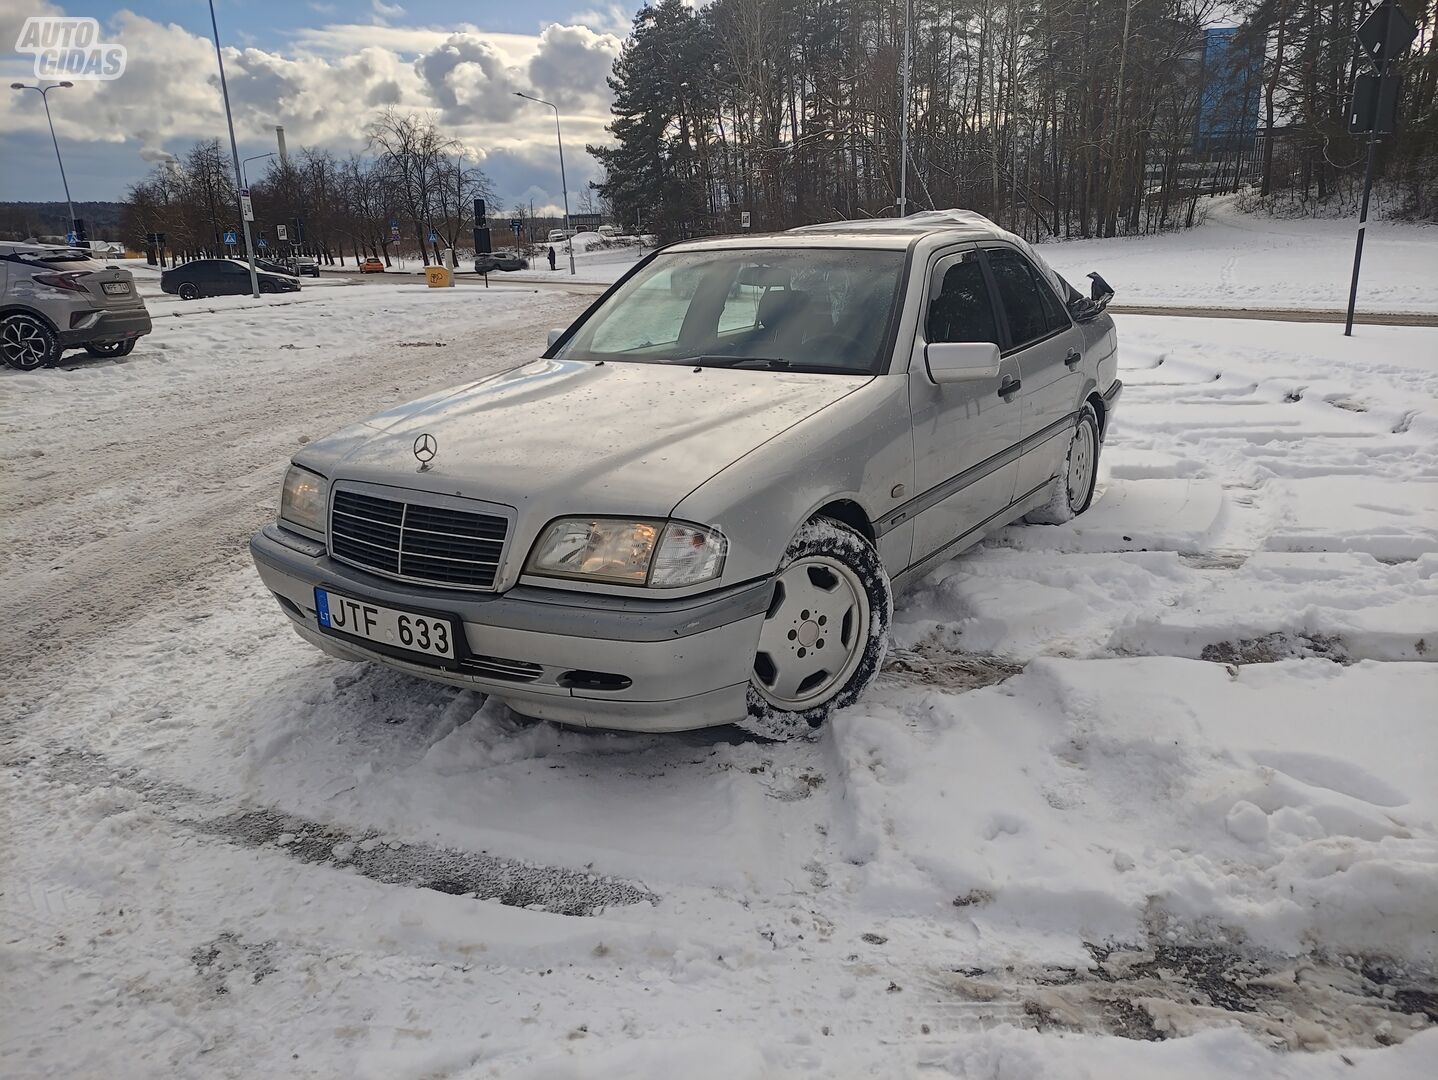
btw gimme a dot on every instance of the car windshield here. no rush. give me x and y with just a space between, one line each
803 309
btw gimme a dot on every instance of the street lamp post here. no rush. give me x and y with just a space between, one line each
44 96
235 153
254 157
568 232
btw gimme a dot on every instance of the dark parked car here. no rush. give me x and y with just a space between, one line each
274 266
488 264
221 277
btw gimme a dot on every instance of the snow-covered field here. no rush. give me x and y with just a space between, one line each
1151 794
1234 260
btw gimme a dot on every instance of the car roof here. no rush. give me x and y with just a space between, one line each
925 231
893 234
27 248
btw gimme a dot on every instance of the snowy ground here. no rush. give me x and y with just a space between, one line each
1236 260
1150 794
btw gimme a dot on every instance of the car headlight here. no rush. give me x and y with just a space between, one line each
302 502
662 555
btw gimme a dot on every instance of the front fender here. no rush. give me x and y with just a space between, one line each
858 449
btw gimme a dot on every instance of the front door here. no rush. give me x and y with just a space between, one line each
1048 348
965 433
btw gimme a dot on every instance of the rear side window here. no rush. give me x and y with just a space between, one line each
963 310
1029 305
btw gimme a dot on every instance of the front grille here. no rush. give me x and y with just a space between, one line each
417 541
492 667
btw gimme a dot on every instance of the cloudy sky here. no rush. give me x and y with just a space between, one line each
321 68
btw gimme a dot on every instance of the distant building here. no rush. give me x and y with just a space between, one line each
1231 79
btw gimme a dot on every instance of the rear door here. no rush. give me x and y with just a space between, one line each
965 433
236 277
1047 347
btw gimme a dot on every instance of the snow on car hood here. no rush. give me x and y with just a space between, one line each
579 437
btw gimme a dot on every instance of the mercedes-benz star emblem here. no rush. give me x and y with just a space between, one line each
425 447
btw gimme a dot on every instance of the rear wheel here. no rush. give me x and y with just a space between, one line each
112 348
27 342
824 636
189 290
1074 486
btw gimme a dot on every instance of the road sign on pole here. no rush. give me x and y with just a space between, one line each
282 232
1378 117
246 207
231 238
744 219
1384 36
1387 32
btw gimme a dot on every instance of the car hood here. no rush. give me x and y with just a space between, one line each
576 437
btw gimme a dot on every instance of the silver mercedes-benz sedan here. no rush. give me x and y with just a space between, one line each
697 506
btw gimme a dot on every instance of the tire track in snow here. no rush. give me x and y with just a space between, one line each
390 862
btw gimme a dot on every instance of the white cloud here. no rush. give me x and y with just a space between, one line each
572 64
384 12
326 84
613 19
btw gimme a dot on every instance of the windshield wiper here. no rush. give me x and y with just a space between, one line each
718 360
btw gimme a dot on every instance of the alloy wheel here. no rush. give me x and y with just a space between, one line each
24 343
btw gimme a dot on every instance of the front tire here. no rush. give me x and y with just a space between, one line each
27 342
1074 486
825 634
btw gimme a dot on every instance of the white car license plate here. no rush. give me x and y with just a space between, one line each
116 288
430 635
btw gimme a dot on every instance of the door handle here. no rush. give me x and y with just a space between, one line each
1009 387
1073 357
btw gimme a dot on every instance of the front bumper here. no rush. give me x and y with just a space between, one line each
684 663
104 326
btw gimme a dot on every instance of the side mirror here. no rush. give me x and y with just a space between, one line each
962 361
554 335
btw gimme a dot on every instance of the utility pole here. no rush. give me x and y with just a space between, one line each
235 153
904 117
1384 35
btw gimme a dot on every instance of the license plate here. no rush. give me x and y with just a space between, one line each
116 288
429 635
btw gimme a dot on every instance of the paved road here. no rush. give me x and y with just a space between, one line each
1280 315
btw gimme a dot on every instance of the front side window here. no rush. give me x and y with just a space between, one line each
963 310
1029 305
808 309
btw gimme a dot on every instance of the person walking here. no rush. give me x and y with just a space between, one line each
551 256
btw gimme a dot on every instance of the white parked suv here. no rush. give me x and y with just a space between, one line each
695 508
